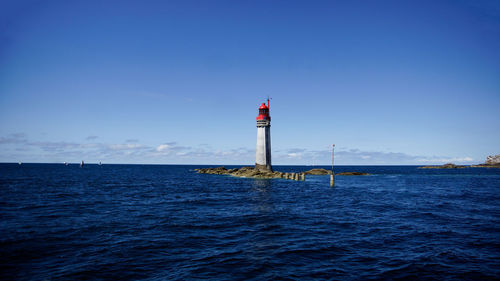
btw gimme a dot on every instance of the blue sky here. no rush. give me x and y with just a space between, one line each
389 82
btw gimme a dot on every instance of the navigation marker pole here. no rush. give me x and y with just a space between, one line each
332 176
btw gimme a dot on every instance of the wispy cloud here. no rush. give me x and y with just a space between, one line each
18 146
125 146
171 148
55 146
13 138
296 150
165 147
91 138
346 156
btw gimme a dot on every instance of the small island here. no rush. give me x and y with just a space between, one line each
318 172
445 166
244 172
252 172
491 162
352 174
329 172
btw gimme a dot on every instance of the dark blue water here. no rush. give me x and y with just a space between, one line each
166 222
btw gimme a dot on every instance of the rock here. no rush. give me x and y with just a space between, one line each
219 170
352 174
251 172
493 160
328 172
244 172
445 166
318 172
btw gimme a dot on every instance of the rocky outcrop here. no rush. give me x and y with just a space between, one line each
329 172
352 174
318 172
445 166
251 172
491 162
245 172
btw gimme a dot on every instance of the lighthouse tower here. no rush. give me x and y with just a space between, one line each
263 155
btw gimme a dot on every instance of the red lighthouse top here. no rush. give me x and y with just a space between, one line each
264 112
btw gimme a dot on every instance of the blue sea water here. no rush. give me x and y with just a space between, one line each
165 222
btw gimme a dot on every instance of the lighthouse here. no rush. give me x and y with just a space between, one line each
263 155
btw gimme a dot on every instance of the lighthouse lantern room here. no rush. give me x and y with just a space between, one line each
263 154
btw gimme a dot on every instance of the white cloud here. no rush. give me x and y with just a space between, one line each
163 147
125 146
17 147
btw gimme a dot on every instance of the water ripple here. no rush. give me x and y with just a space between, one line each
168 223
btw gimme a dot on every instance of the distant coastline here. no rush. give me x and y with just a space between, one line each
491 162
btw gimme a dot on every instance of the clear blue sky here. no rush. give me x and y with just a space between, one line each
389 82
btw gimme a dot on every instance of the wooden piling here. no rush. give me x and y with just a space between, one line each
332 176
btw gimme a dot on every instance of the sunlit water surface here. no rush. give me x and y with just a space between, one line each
165 222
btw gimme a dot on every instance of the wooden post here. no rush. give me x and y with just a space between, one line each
332 176
303 176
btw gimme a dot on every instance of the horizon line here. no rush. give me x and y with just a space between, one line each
243 165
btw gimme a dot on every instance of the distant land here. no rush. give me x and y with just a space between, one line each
491 162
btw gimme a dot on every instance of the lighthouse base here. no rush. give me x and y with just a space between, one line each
263 167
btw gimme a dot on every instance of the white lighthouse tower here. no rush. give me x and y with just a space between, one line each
263 155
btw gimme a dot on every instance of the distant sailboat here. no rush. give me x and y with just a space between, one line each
100 163
81 164
66 163
20 163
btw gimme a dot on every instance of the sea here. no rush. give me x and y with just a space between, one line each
166 222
